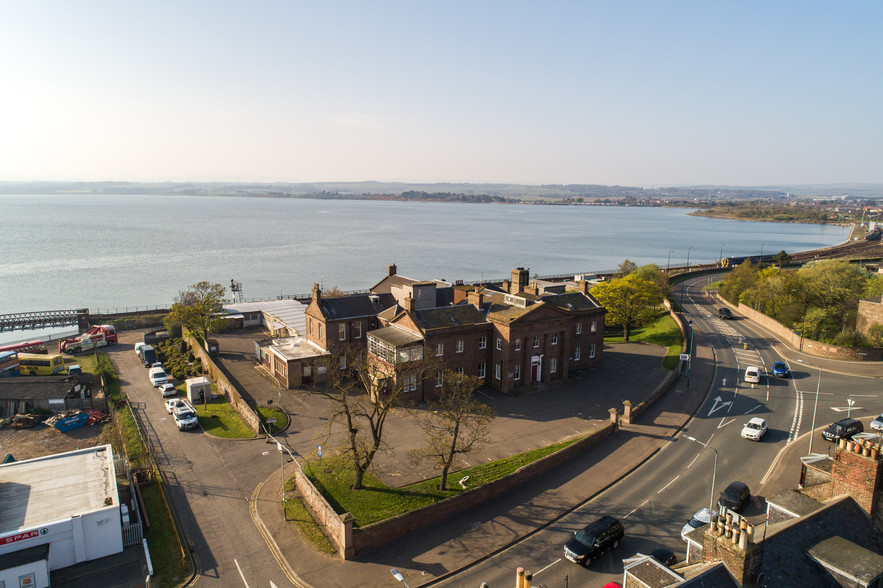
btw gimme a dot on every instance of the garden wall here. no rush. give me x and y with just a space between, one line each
223 384
339 529
808 346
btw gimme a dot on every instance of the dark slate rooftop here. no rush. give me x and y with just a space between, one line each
651 573
847 558
794 502
712 576
449 316
355 306
396 336
571 301
385 285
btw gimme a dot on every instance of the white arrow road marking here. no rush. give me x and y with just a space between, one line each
845 408
717 401
724 424
240 573
755 408
724 382
548 566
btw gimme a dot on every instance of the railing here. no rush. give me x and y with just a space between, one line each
132 534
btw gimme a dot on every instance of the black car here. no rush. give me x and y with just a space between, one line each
596 538
844 429
725 313
735 496
665 556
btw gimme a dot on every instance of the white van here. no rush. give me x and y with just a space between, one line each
752 374
157 376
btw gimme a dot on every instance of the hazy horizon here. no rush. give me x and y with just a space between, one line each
628 93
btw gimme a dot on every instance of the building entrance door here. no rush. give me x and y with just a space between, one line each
536 368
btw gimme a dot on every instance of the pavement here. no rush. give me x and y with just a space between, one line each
437 552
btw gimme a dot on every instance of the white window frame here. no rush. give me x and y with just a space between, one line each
516 370
554 338
311 325
439 379
553 365
342 362
591 350
579 328
518 344
482 342
536 341
594 326
499 343
460 346
497 370
341 331
439 349
357 330
576 353
482 370
460 371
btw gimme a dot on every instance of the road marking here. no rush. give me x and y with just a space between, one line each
724 382
846 408
863 395
669 484
636 509
717 401
753 409
694 460
548 566
724 424
240 573
798 416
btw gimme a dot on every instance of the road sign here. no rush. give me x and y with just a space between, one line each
320 451
685 357
271 421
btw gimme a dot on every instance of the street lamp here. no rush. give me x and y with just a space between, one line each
690 352
721 258
714 472
686 271
849 403
668 260
761 251
815 406
398 576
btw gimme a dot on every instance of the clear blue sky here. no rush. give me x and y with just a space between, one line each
628 93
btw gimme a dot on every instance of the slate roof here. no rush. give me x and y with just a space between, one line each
847 558
355 306
449 316
795 502
712 576
385 285
650 572
571 301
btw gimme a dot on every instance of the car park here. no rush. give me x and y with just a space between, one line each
877 423
724 313
594 540
168 390
842 429
752 374
702 517
779 369
754 429
734 496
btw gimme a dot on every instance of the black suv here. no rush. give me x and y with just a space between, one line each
725 313
734 496
844 429
596 538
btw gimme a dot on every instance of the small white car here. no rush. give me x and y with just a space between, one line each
754 429
174 404
168 390
752 374
138 347
877 423
700 518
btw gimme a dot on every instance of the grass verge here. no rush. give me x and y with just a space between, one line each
169 566
217 417
376 501
296 512
266 413
663 331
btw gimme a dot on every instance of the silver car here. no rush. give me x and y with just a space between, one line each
703 517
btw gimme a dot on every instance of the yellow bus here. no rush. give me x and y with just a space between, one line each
39 364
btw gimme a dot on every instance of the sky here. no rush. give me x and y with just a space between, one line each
618 93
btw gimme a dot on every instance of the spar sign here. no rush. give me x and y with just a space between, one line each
22 536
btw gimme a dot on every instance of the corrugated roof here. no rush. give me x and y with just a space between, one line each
288 312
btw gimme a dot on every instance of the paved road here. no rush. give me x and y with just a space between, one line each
209 483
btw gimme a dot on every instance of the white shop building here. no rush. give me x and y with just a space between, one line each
57 511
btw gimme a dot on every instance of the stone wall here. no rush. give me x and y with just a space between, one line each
856 475
223 384
870 312
338 528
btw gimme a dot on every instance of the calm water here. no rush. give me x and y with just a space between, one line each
117 251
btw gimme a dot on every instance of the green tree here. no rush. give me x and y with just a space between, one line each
625 268
456 423
781 258
742 278
630 302
198 308
652 273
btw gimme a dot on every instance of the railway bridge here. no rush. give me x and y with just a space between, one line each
42 319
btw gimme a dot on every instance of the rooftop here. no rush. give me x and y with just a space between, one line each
291 348
39 491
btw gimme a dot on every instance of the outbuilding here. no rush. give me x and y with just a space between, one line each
198 389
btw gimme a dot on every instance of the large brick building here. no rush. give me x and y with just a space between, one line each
512 336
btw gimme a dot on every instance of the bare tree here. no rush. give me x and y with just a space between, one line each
456 423
362 393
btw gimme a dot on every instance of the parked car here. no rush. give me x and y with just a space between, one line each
168 390
702 517
157 376
752 374
724 313
185 418
595 539
734 496
754 429
877 423
843 429
174 404
780 370
138 347
665 556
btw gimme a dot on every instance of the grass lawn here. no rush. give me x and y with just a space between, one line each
266 413
165 551
218 418
296 512
377 502
664 331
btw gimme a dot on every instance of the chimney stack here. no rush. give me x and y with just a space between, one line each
317 293
475 298
520 279
409 304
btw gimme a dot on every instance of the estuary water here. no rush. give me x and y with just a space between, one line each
116 251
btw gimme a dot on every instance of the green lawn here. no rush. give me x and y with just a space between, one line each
664 331
296 512
265 413
218 418
377 502
165 551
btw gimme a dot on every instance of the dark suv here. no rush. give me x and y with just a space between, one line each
724 313
595 539
734 496
844 429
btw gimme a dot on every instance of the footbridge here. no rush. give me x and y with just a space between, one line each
43 318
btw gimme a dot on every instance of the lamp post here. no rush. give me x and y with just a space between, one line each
668 260
849 403
690 352
398 576
815 406
761 251
714 472
720 259
687 271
